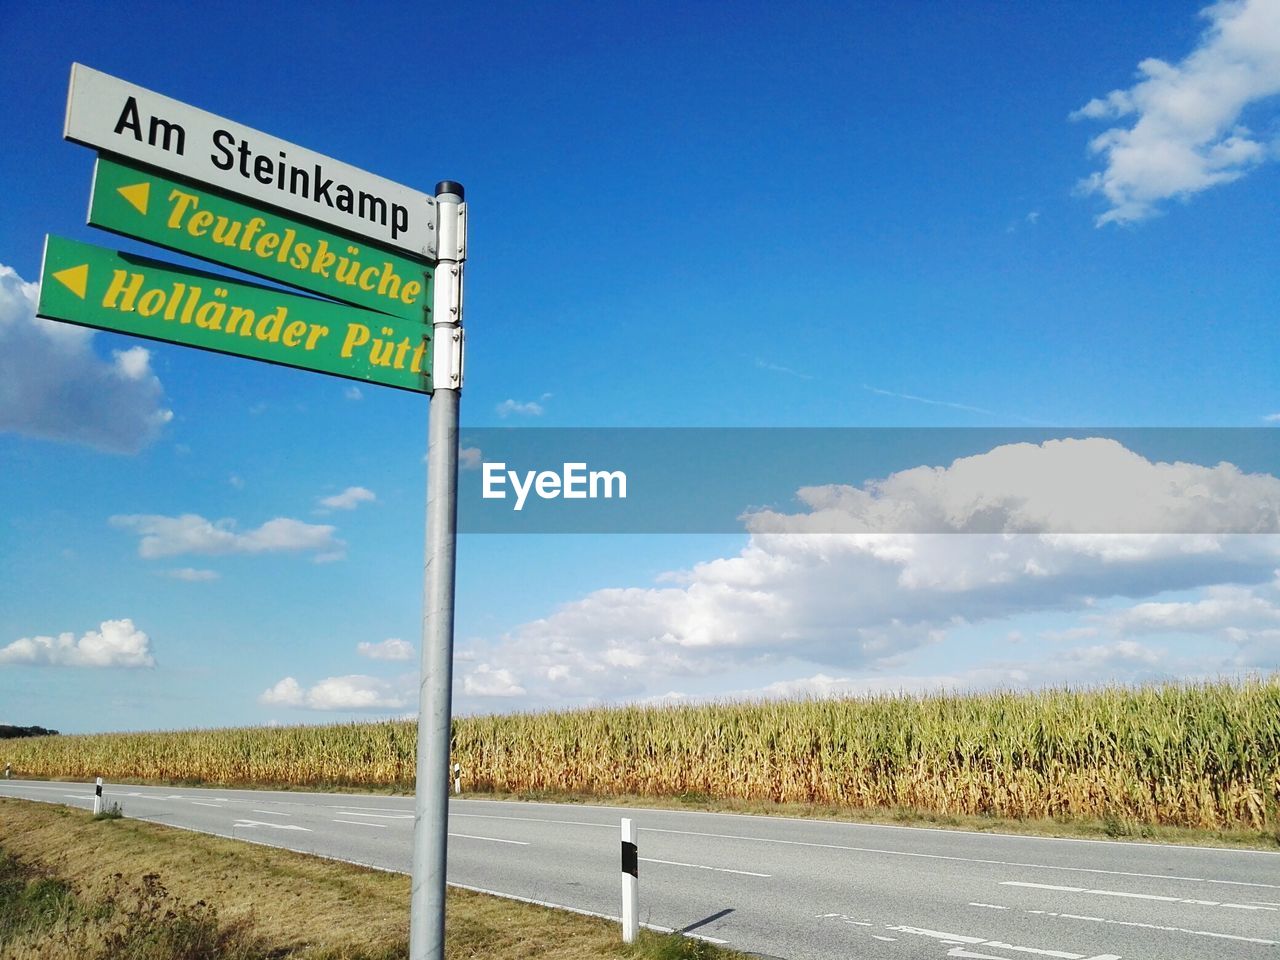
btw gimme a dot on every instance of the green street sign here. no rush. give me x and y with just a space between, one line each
205 223
94 287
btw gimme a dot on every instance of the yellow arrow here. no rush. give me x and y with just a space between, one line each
137 195
74 279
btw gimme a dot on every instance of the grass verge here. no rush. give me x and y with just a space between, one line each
72 888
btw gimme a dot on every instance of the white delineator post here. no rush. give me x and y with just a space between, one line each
97 796
431 796
457 778
630 882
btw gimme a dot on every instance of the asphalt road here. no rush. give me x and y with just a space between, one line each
796 889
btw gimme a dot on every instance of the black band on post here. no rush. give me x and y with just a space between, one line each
630 859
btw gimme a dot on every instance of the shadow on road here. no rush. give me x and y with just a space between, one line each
705 920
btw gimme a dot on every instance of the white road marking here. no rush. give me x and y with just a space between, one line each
77 796
1146 896
273 826
379 816
468 836
201 803
954 859
361 823
31 786
885 939
1157 926
844 918
962 952
989 906
939 935
272 813
892 853
997 945
957 938
1137 896
567 823
698 866
347 806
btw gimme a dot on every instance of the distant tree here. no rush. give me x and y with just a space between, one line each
7 732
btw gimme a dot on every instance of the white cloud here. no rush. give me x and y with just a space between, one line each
390 649
671 698
523 408
487 681
762 364
116 643
1076 666
1222 607
349 498
189 533
1092 485
1070 635
925 400
286 692
353 692
1255 649
470 458
192 575
859 605
1104 654
53 385
1186 133
624 658
352 393
134 363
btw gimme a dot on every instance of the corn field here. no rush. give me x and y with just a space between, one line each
1204 755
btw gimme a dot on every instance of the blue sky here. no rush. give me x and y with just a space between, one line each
722 216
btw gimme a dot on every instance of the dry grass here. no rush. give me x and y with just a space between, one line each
1203 756
292 901
270 902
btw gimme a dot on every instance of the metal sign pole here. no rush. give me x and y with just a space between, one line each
431 808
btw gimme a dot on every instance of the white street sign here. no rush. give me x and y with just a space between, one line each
120 118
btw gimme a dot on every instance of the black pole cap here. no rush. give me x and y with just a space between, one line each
451 186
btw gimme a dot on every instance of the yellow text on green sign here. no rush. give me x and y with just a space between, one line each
205 223
85 284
